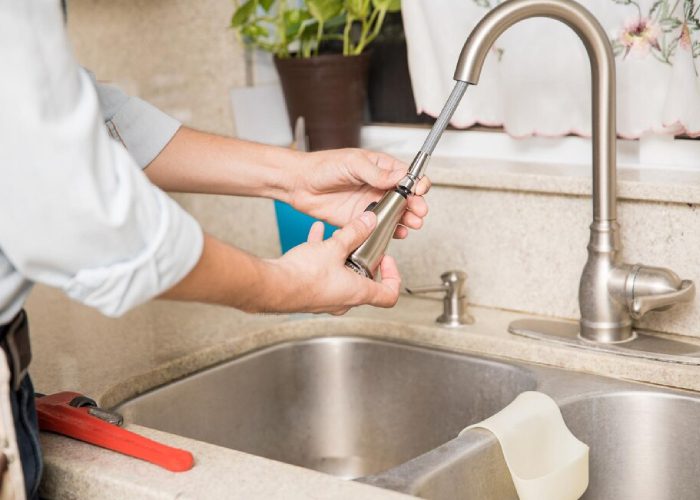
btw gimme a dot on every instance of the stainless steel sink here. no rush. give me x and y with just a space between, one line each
388 414
644 445
345 406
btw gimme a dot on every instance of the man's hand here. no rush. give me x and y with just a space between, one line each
319 280
309 278
337 185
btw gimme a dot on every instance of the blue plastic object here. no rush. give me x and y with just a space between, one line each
294 226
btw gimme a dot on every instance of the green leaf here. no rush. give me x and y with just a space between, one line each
308 30
323 10
295 21
243 13
296 16
669 24
266 4
335 22
655 7
358 9
253 32
387 5
300 30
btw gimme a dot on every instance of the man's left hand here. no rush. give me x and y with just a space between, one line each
337 185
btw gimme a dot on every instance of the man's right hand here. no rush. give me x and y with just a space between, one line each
315 273
311 277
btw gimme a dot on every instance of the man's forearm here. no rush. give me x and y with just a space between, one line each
309 278
227 276
206 163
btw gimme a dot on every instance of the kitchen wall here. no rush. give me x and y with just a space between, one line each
524 248
180 56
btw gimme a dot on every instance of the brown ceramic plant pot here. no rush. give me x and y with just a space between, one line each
330 92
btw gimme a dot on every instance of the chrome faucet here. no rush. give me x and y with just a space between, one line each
611 292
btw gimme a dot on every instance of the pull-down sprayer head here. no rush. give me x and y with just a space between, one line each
389 209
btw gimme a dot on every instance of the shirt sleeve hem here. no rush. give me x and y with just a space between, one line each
143 129
171 255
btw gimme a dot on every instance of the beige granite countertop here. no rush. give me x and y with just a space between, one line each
111 360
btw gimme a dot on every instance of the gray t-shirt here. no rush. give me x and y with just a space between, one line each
143 129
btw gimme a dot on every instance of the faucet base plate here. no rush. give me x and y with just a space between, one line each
645 344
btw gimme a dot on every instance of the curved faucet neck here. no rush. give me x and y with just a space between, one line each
600 54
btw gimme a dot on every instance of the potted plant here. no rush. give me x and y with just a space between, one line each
319 49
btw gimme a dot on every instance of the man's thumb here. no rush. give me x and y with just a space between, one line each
354 234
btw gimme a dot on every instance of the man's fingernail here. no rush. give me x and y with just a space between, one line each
367 218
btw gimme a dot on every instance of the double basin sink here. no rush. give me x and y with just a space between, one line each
389 414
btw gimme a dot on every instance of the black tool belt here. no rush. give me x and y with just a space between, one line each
14 340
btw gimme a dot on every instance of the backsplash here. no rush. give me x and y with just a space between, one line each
177 54
524 251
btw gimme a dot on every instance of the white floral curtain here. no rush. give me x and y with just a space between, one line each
537 79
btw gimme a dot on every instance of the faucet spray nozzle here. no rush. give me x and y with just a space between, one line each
366 258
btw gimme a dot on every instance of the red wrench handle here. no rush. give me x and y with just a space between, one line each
56 415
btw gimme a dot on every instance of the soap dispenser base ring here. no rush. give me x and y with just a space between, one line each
646 344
